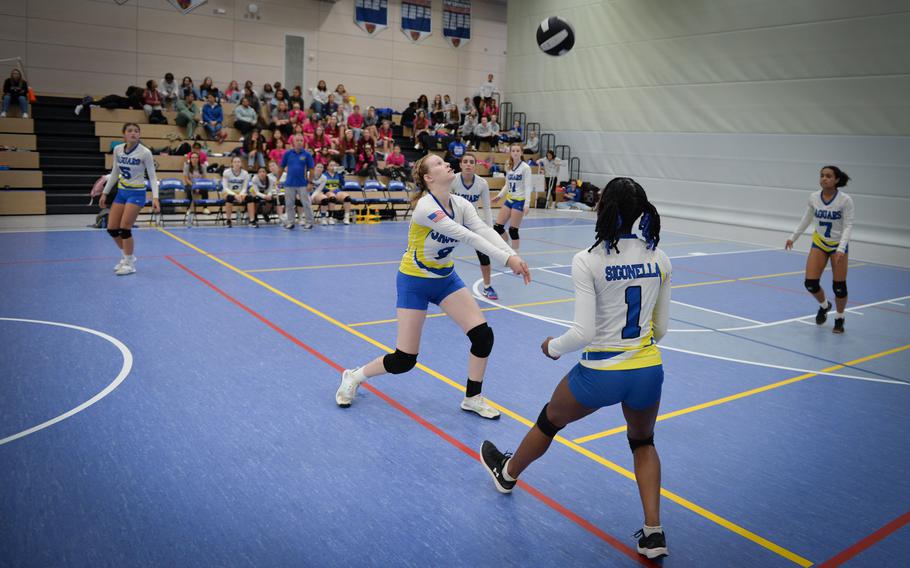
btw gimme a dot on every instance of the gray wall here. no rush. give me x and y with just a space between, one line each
726 109
95 46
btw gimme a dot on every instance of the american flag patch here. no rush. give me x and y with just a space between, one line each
436 216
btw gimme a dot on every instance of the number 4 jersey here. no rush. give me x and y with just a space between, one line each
435 232
834 221
622 305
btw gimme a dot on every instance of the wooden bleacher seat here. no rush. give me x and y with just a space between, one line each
161 130
120 116
17 126
25 179
156 143
171 163
19 160
22 202
20 141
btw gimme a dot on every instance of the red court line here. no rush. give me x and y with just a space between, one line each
867 542
543 498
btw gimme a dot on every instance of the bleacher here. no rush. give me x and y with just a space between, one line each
21 184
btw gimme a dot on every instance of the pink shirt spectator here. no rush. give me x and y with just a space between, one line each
301 116
203 157
309 128
395 160
355 120
276 155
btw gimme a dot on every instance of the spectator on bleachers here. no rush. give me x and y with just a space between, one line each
213 119
308 124
513 134
320 96
332 130
266 97
194 168
371 122
466 107
489 109
264 190
483 132
346 107
487 90
277 100
254 149
395 165
187 113
447 103
208 86
203 156
423 103
245 117
169 90
320 146
187 86
281 119
340 93
284 92
297 97
421 130
250 95
355 122
468 126
437 111
366 139
249 85
409 114
572 198
454 152
297 115
276 153
233 94
330 107
385 137
532 144
151 98
366 163
549 167
453 117
348 149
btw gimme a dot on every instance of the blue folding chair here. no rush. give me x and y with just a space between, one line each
168 198
210 186
398 195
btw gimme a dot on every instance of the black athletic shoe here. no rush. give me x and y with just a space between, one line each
838 325
822 315
229 224
652 546
254 224
494 461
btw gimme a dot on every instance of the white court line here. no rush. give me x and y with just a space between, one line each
121 376
703 254
896 303
716 312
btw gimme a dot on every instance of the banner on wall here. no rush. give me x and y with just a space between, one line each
372 16
456 21
187 6
416 19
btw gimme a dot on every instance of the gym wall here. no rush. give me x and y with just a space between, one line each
726 109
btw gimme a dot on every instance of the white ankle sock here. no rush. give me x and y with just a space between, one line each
839 315
358 375
824 305
505 471
651 530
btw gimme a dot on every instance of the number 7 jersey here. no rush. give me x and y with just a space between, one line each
834 221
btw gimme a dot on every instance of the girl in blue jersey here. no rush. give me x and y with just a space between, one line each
517 193
133 167
427 275
622 299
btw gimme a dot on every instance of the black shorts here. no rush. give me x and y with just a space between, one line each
237 199
484 259
281 201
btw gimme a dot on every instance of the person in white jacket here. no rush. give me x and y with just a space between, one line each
622 300
517 194
427 275
833 212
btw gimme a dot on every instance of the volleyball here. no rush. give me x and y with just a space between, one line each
555 36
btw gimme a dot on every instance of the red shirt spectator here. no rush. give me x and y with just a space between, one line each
395 158
356 119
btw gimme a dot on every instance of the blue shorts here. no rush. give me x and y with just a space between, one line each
134 196
638 388
416 293
829 253
512 204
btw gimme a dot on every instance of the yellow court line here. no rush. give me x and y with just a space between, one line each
489 309
744 394
729 525
759 277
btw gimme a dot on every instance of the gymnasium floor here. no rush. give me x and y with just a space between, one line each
192 418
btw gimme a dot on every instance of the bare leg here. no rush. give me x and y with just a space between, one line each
647 462
502 217
463 309
515 221
815 265
410 326
485 272
839 270
562 410
113 221
130 212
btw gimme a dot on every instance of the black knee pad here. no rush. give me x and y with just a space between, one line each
333 199
126 233
399 362
635 444
114 233
324 201
499 228
543 423
840 288
230 199
481 337
513 233
347 199
812 286
483 259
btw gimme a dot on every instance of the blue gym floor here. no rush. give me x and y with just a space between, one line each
189 414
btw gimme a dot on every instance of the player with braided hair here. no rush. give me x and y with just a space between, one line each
622 300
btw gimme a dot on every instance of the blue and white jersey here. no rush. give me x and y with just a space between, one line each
518 182
833 221
477 190
131 169
235 183
622 306
435 231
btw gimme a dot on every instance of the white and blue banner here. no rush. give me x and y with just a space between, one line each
372 16
456 21
416 19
